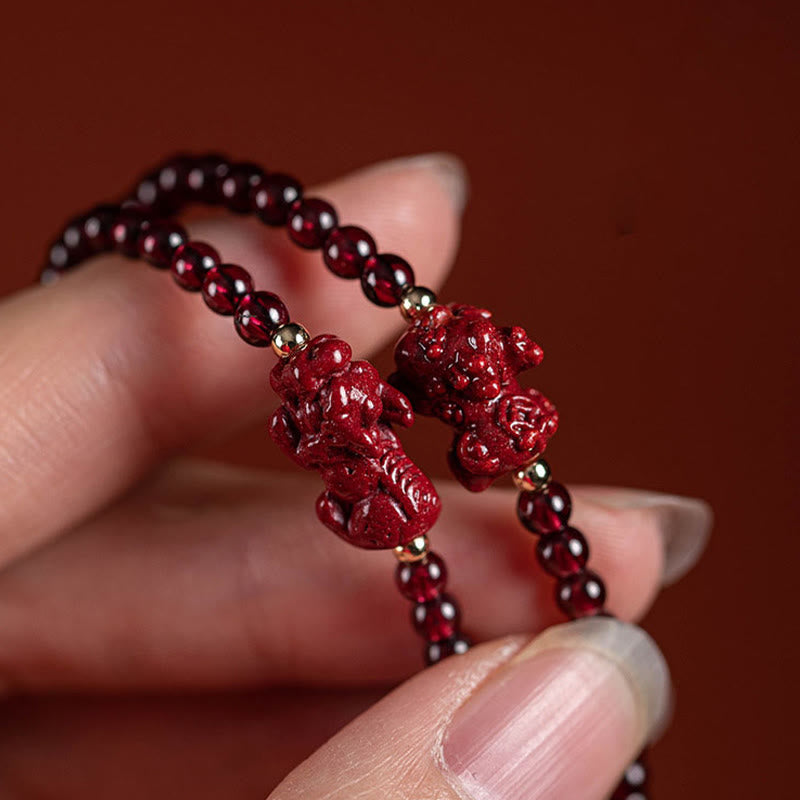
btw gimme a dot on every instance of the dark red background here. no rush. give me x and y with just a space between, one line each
634 203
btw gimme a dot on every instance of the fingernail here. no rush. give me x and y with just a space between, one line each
563 718
448 169
684 523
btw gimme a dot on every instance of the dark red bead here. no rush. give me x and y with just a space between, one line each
236 185
71 248
563 553
384 278
224 286
454 646
436 619
347 250
423 580
633 783
205 177
165 190
273 196
97 226
146 191
191 262
75 239
157 244
129 225
258 316
581 595
545 512
310 221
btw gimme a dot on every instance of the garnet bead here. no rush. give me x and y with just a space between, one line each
423 580
347 250
581 595
191 262
97 227
272 197
384 278
71 248
165 189
563 553
454 646
224 286
310 221
633 783
125 232
437 619
544 512
235 187
158 243
205 176
258 316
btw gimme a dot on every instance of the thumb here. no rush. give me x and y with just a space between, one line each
560 717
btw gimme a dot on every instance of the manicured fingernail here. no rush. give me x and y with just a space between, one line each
684 523
448 169
562 718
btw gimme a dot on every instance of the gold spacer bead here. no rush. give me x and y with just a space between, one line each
415 300
533 477
289 338
415 550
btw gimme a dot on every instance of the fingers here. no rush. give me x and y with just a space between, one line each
111 368
560 718
213 576
202 747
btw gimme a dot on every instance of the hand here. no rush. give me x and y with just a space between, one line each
176 628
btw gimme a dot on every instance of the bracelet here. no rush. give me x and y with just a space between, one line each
336 415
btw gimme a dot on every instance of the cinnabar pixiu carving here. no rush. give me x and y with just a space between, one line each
454 363
335 417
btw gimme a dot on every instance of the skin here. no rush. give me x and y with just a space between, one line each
177 628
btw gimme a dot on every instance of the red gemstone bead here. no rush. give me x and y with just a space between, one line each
436 619
272 197
224 286
423 580
191 262
71 248
633 783
563 553
384 278
205 177
236 185
125 232
164 190
347 250
310 221
454 646
58 257
547 511
158 243
97 227
581 595
258 316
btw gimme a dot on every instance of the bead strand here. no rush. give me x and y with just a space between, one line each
276 198
544 508
421 577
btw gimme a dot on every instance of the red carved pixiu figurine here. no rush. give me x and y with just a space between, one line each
335 417
454 363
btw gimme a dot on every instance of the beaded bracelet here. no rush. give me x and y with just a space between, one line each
336 414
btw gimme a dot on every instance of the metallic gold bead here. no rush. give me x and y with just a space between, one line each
533 477
289 338
415 550
415 300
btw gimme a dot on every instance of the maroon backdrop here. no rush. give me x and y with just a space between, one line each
635 177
